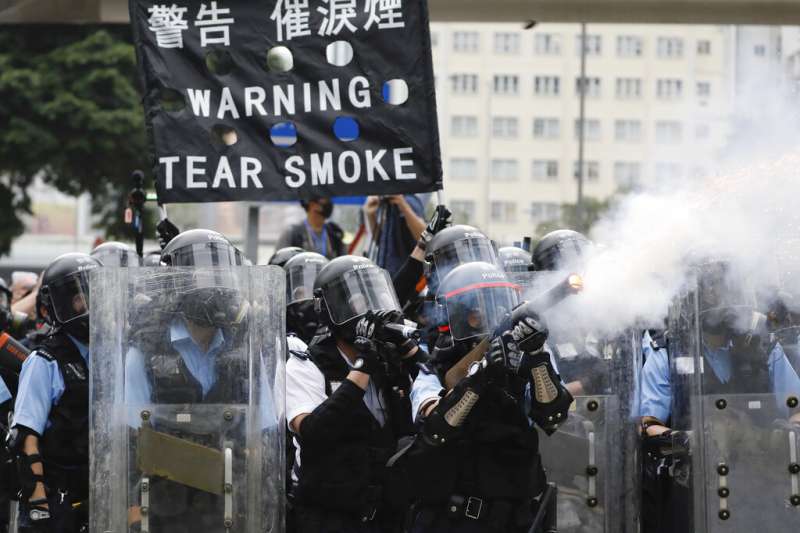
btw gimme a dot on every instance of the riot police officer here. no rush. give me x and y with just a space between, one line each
301 319
50 433
116 254
347 401
189 351
281 256
476 459
729 380
561 249
514 259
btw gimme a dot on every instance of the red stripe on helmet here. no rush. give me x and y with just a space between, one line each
483 285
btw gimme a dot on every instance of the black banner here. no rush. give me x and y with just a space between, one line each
250 100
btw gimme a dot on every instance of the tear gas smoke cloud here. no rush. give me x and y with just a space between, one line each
650 240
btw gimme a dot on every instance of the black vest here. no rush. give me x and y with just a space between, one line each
65 442
172 382
352 475
496 457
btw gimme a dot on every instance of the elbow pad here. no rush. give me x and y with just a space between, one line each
550 400
448 418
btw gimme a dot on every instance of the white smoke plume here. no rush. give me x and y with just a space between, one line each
749 216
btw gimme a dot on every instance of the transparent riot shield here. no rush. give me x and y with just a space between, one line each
594 456
736 395
187 400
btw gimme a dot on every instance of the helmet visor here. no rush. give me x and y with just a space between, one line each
118 258
70 297
475 310
300 281
359 291
208 254
463 251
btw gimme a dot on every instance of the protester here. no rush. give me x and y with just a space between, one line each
396 224
316 233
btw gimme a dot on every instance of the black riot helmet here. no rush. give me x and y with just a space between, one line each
65 293
201 248
116 254
5 295
476 297
301 273
559 249
280 257
348 287
456 246
514 259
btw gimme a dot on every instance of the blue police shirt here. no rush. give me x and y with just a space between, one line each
199 363
40 387
657 391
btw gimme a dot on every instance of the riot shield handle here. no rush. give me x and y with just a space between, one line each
145 508
228 488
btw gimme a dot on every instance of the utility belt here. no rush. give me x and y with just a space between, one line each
500 515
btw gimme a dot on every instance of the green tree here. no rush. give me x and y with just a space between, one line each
71 114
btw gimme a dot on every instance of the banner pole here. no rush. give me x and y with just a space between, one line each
440 197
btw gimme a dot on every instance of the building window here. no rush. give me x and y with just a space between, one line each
544 212
668 171
592 129
627 175
545 170
506 43
434 39
670 47
702 131
629 46
669 132
591 170
628 88
592 87
466 41
506 84
668 89
628 130
703 89
505 127
760 50
463 211
504 212
547 44
463 168
463 126
546 128
594 45
464 83
504 169
546 85
703 47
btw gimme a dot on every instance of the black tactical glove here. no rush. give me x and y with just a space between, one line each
166 232
550 400
439 221
374 333
445 422
529 334
503 353
672 442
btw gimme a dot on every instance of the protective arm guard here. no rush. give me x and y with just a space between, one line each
445 422
550 400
